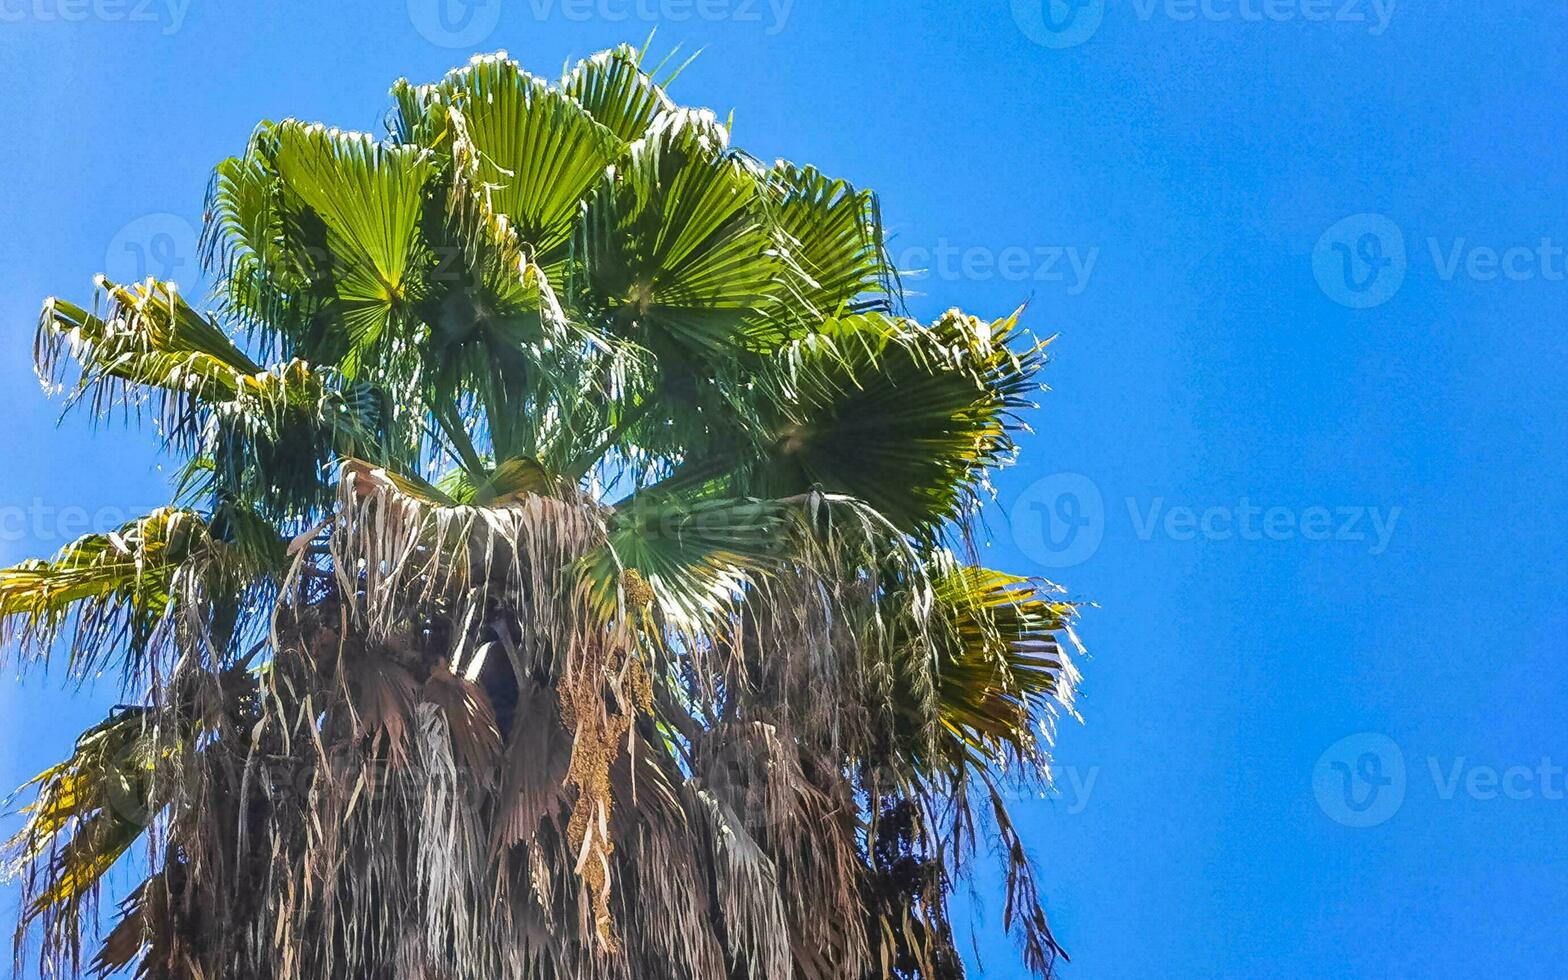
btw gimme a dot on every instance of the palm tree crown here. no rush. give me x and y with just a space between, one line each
564 574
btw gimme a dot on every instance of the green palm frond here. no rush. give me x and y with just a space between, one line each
107 592
266 285
149 339
692 560
115 594
510 479
499 342
89 810
1002 667
909 419
834 234
268 433
679 250
612 86
362 202
273 444
532 149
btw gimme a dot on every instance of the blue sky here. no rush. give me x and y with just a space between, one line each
1304 444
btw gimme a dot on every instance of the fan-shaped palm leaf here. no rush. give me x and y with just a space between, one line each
679 251
906 418
368 198
531 149
833 232
612 86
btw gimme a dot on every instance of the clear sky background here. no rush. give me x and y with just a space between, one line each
1311 469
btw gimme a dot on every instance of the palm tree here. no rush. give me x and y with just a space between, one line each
563 578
